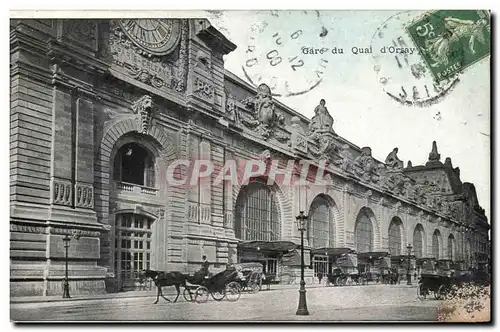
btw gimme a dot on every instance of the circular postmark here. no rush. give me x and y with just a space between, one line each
287 51
401 69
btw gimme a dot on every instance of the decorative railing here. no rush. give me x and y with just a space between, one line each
135 188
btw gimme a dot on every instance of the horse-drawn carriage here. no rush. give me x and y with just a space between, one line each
225 284
439 284
339 278
252 276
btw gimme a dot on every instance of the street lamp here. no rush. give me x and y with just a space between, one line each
66 241
301 225
408 274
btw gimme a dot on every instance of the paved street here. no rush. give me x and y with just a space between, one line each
350 303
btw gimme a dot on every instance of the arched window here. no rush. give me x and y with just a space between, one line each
134 164
363 232
395 230
132 245
418 241
451 247
436 244
321 226
257 215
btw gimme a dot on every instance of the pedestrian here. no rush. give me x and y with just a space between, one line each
204 266
320 276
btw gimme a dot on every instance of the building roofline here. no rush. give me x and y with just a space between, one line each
238 80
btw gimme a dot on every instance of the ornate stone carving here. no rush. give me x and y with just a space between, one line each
161 213
396 182
367 168
231 107
75 232
322 121
445 207
203 61
264 117
265 155
298 138
62 192
27 229
158 71
392 161
144 108
205 214
192 212
203 89
81 32
183 63
84 195
228 219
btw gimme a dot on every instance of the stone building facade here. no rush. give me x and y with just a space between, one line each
102 109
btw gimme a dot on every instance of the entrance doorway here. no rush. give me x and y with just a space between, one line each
320 265
132 248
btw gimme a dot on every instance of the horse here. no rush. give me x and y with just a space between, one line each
163 279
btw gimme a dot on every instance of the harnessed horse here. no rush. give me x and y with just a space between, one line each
164 279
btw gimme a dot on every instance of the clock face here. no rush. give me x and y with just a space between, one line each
154 36
278 53
401 70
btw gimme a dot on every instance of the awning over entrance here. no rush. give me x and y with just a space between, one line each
268 246
372 255
331 251
423 260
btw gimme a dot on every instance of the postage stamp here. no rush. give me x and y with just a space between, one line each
400 68
452 40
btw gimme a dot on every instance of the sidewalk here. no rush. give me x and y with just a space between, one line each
170 293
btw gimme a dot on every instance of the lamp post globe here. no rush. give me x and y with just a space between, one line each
302 226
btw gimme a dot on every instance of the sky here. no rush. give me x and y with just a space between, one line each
351 85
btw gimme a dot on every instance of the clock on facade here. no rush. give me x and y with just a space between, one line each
154 36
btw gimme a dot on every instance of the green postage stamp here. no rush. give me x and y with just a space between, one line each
452 40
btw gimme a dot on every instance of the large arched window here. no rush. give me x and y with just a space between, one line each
134 164
451 247
395 230
363 232
257 215
418 241
133 235
436 244
321 226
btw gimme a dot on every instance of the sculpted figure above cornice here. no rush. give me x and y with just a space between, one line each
143 107
392 161
366 166
264 118
321 122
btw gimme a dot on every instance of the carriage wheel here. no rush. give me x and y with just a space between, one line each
189 295
440 293
201 295
233 291
255 285
421 292
218 295
337 281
